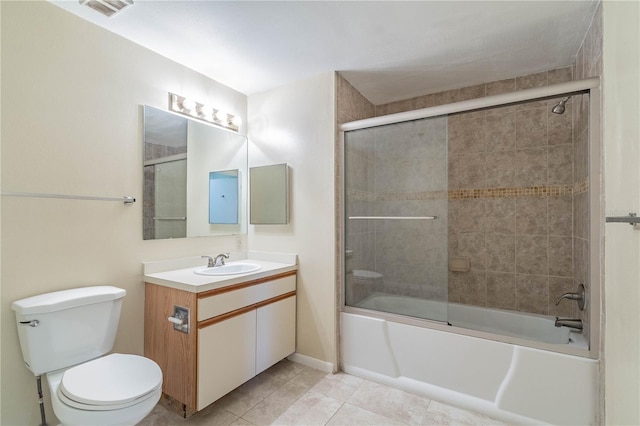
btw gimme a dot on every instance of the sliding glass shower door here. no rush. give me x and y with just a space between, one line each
396 247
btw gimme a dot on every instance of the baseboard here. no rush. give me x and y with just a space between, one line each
314 363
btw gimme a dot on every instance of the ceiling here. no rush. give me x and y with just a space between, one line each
388 50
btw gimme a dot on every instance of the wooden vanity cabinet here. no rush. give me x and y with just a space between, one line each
235 333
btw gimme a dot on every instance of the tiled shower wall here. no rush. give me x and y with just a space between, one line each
517 191
510 205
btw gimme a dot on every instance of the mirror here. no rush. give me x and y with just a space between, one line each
180 156
269 195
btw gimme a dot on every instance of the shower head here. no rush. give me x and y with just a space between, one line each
559 107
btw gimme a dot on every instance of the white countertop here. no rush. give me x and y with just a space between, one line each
178 273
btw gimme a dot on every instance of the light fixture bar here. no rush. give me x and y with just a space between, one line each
107 7
193 109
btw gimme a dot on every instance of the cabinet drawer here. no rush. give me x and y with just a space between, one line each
218 304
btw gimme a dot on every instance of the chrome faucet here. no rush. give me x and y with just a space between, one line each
219 260
567 322
578 296
210 262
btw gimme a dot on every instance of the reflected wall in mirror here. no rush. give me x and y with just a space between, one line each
269 195
179 156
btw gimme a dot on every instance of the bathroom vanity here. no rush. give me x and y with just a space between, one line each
211 333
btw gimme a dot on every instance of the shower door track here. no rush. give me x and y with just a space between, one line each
568 88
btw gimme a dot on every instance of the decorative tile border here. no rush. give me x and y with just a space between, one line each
463 194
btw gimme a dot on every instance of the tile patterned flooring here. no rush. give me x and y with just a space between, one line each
292 394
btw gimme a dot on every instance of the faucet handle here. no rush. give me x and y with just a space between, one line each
210 262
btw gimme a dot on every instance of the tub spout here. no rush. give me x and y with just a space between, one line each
571 323
578 296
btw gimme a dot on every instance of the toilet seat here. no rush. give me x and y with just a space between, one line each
109 383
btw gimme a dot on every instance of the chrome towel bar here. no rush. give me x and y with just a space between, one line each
393 217
126 199
632 219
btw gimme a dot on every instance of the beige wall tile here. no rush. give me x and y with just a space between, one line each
560 219
532 293
560 75
501 253
531 80
560 165
531 216
500 130
499 87
561 256
531 128
500 216
560 129
501 290
530 167
532 255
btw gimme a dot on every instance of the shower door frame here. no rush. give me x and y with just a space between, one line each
589 86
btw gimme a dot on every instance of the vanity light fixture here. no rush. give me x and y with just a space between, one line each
107 7
203 112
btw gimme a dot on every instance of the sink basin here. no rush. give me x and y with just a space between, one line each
229 269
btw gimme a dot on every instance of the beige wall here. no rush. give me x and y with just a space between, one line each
294 124
71 124
621 59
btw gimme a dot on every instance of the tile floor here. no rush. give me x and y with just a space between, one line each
292 394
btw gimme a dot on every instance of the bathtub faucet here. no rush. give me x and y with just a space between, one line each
578 296
571 323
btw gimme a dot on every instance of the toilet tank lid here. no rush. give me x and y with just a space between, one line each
65 299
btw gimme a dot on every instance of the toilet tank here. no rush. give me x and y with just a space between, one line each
64 328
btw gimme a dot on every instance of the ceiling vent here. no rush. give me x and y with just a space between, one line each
107 7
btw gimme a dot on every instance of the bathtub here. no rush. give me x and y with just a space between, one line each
512 382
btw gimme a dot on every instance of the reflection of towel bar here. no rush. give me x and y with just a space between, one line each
126 199
170 218
393 217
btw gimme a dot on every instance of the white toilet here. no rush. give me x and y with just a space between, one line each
64 335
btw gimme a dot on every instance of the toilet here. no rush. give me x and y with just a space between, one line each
364 284
65 335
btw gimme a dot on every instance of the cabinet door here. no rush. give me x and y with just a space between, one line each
276 338
226 356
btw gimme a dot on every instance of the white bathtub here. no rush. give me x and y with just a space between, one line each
515 383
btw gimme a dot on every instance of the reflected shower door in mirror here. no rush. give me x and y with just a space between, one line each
179 156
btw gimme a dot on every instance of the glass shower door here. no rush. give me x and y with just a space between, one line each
396 251
170 199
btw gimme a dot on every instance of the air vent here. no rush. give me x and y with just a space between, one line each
107 7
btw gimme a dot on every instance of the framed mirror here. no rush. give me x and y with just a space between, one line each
269 195
179 157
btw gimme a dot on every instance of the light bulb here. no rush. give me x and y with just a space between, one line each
207 111
221 116
188 104
236 121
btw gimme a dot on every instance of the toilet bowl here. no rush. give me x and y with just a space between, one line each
117 389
